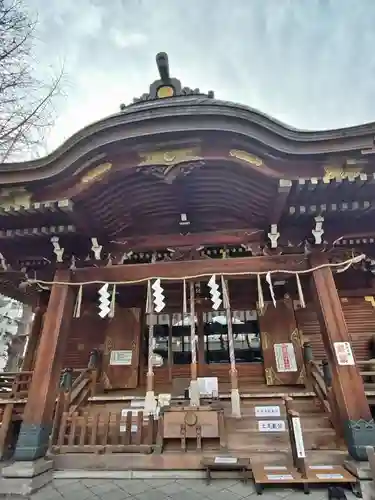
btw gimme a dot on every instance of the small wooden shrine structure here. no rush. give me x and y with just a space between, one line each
186 239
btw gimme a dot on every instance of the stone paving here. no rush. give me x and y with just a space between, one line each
166 489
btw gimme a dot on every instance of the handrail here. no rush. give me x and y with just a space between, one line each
320 379
366 373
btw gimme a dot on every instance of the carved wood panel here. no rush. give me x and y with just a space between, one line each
123 336
281 345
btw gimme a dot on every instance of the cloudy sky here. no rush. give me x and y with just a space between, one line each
309 63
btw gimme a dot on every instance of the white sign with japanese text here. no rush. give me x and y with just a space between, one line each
271 425
121 358
267 411
285 358
344 353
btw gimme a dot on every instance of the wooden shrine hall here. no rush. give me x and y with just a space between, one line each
194 265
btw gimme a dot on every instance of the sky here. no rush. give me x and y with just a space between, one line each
308 63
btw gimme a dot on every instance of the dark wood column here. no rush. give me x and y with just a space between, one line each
347 382
37 420
34 336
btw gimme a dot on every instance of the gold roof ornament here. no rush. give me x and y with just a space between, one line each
167 86
170 158
246 157
96 173
350 169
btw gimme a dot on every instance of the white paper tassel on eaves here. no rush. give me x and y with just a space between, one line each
104 301
158 296
215 293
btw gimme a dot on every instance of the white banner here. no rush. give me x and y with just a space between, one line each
297 430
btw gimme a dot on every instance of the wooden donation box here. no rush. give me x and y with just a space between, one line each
189 422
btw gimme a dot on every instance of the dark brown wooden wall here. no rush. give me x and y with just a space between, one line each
86 333
360 319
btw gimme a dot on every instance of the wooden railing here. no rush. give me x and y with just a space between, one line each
76 386
14 384
320 380
367 371
107 432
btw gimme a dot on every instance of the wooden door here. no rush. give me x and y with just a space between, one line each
281 345
121 349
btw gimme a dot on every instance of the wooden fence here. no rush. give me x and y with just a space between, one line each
107 432
15 385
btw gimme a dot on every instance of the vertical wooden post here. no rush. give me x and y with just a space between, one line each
38 415
201 344
347 384
235 394
34 335
170 348
150 401
194 389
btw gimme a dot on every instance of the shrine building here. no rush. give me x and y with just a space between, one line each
193 265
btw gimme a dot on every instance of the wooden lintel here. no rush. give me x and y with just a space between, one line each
193 240
178 270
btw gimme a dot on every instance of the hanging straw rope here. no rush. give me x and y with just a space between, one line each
78 303
300 292
150 312
192 326
344 265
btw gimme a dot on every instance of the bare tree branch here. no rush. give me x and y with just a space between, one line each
26 111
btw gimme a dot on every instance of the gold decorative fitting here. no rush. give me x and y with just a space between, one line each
269 375
264 338
172 157
340 173
165 91
247 157
295 337
302 376
190 418
14 197
371 299
96 173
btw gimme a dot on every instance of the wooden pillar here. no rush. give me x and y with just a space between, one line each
201 344
347 384
194 388
38 415
34 336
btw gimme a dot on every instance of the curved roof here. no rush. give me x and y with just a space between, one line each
188 112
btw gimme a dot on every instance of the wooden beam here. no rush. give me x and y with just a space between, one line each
178 270
347 383
277 208
194 240
38 415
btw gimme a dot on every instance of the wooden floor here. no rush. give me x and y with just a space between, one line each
247 391
181 461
